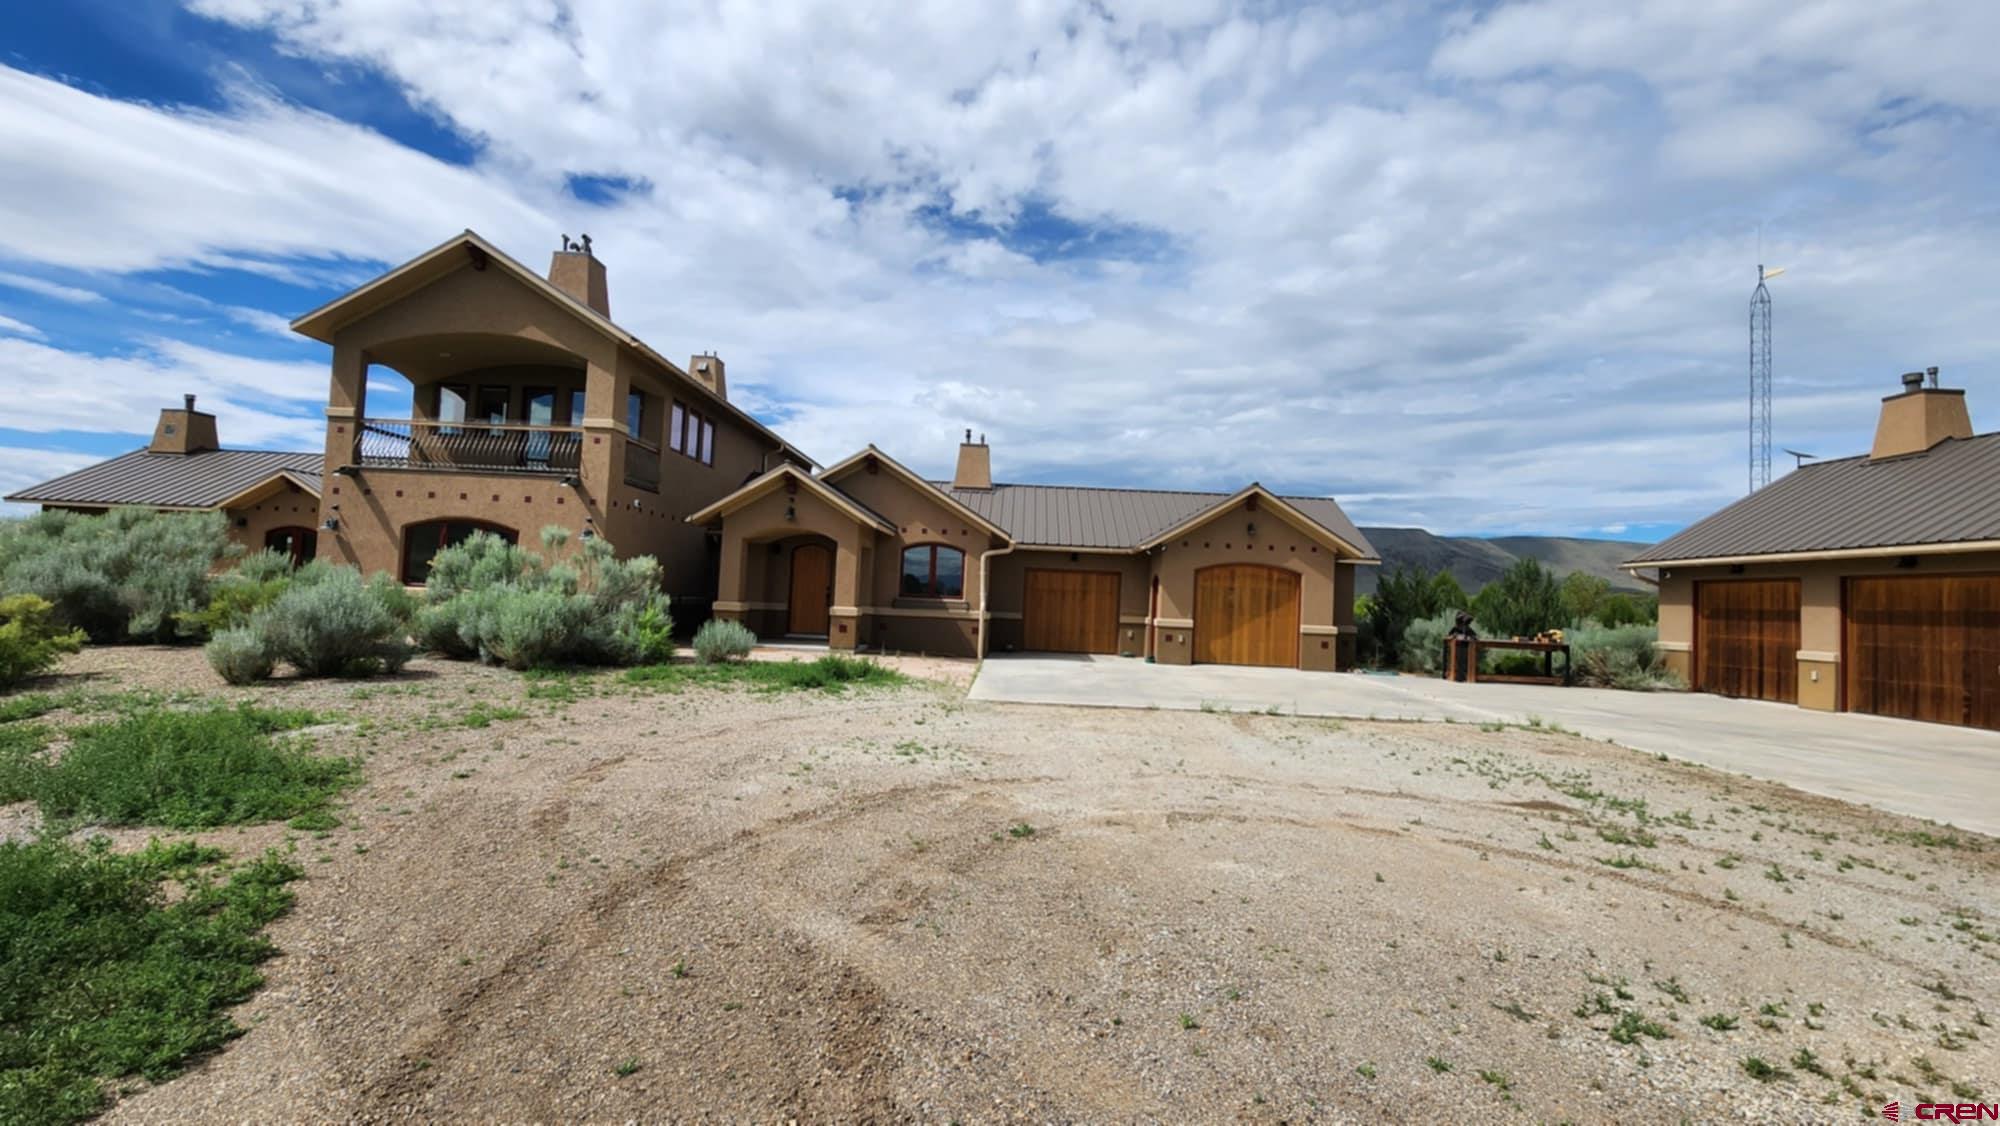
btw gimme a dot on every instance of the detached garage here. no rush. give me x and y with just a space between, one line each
1869 584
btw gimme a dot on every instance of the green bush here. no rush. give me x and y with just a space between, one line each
333 624
1403 596
1422 645
720 640
1523 601
240 655
238 593
1626 657
492 601
324 621
30 639
180 769
127 575
104 978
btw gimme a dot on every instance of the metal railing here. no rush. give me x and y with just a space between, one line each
470 447
642 464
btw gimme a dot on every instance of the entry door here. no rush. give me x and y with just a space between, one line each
1925 648
812 588
1246 614
1070 611
1746 639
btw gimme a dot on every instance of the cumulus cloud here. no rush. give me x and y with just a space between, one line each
1478 272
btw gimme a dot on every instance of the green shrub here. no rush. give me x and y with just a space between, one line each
333 624
237 594
1422 646
1523 601
182 770
721 640
128 574
104 978
1403 596
240 655
1626 657
325 621
492 601
30 639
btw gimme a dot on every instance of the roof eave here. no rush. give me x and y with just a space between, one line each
1958 547
904 471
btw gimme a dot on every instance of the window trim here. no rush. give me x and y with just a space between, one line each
930 587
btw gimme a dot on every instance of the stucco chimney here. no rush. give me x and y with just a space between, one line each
1920 417
707 370
577 272
184 430
975 464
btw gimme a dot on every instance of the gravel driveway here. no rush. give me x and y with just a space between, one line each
897 905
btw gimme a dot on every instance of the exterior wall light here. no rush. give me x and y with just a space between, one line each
332 521
791 512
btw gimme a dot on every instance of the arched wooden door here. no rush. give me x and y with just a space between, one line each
1246 614
812 589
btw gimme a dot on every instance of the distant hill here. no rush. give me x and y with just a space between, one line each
1476 562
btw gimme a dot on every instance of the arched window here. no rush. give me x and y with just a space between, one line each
301 544
932 570
423 541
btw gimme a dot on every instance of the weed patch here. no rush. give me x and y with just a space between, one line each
105 980
180 769
831 673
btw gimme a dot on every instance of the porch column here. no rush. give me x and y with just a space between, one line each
849 593
346 403
603 462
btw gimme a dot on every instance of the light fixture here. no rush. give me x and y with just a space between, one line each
791 512
332 521
570 480
1250 529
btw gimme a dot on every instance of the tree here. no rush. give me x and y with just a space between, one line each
1583 597
1449 594
1524 601
1629 610
1401 597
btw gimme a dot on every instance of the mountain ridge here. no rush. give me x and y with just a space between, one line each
1475 561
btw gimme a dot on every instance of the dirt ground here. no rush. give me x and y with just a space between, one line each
627 904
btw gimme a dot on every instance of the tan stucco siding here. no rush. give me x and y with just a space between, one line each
290 507
1010 577
1226 538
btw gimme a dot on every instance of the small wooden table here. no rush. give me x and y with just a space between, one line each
1548 650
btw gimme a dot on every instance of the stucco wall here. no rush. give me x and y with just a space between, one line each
290 507
1010 577
1276 543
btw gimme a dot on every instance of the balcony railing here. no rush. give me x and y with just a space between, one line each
642 464
468 447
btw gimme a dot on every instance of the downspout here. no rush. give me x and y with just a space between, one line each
985 572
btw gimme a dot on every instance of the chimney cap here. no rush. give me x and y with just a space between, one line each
1912 380
188 400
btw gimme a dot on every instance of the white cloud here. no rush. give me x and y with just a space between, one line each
44 288
21 466
1481 273
13 327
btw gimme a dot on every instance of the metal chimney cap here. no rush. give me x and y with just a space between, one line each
189 400
1913 380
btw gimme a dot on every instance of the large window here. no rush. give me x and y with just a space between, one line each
452 402
493 403
688 432
422 542
933 570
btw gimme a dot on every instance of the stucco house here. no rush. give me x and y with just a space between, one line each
531 407
1864 584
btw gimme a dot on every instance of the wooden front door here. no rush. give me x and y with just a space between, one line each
1246 614
812 588
1746 639
1925 648
1070 611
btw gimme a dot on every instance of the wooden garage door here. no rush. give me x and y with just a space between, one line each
1925 648
1245 614
1070 612
1746 639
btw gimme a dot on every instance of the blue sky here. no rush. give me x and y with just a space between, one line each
1481 269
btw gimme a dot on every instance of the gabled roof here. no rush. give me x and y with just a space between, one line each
1310 525
209 479
950 498
1948 495
764 483
1088 517
452 255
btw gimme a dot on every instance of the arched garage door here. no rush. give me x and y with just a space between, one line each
1246 614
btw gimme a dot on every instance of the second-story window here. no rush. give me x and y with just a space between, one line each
691 434
452 401
674 424
635 413
707 442
576 401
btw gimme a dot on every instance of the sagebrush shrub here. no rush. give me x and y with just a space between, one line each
1626 657
492 601
721 640
128 574
240 655
31 641
333 624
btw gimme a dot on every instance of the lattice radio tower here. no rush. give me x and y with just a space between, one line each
1760 380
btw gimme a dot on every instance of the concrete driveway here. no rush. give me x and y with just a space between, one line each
1946 774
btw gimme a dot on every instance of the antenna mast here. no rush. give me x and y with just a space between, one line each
1760 381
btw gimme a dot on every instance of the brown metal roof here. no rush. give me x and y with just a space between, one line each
1947 494
199 480
1078 516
